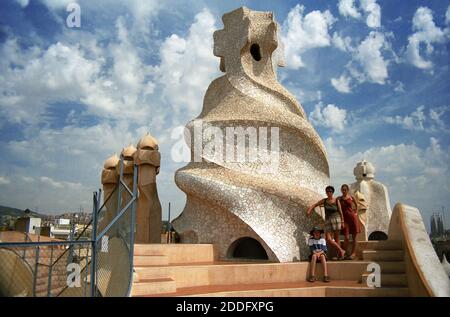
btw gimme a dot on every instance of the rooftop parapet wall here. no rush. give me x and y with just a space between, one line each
426 276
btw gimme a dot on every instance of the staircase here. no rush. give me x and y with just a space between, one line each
389 254
193 270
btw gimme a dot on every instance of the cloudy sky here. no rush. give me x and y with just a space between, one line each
372 75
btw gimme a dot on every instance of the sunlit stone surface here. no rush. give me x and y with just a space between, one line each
378 213
261 198
109 179
148 207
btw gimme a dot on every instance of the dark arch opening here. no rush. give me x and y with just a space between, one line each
255 50
247 248
378 235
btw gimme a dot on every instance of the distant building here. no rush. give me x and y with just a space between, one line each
28 225
433 226
440 225
437 225
63 222
61 229
60 233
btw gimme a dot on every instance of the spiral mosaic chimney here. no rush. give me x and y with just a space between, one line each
253 208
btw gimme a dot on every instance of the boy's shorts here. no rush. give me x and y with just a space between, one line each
318 259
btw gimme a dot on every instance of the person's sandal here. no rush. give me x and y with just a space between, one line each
312 279
326 279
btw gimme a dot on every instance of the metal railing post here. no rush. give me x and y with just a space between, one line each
36 268
119 189
94 245
25 249
71 238
133 225
50 271
86 271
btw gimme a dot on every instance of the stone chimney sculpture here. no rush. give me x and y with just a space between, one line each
378 213
109 178
252 207
148 209
128 172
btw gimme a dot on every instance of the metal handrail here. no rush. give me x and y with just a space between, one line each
98 237
91 264
133 226
42 243
87 226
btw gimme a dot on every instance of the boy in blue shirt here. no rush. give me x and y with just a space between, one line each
318 247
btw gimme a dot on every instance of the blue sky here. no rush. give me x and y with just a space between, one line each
372 75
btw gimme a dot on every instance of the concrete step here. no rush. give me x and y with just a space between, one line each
59 269
151 272
55 279
55 284
392 267
179 253
315 292
147 249
54 291
382 255
221 273
381 245
150 260
289 289
153 286
388 279
368 292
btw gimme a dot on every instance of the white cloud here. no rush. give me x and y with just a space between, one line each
331 117
56 4
302 33
435 116
405 169
59 73
188 65
65 163
447 15
426 32
399 86
342 84
418 120
111 80
414 121
370 8
343 44
369 55
58 184
4 180
23 3
27 179
335 152
373 10
141 10
125 96
347 9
